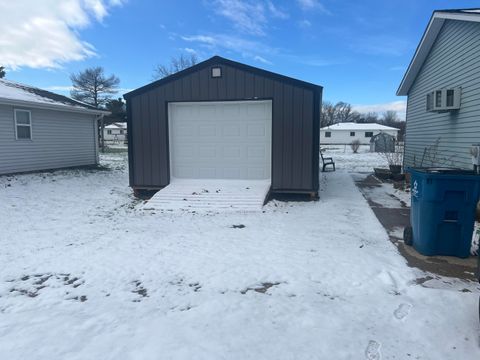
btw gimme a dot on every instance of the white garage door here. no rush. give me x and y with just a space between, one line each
221 140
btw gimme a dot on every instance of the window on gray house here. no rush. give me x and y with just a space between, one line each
23 124
109 132
368 133
450 97
328 134
352 133
429 101
438 98
121 132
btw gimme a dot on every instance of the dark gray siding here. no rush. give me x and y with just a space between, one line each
295 122
59 139
453 61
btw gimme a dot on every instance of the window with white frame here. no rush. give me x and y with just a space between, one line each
109 132
23 124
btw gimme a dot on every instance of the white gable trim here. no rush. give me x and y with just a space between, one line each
426 44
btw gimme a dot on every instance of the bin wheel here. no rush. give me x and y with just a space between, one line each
408 235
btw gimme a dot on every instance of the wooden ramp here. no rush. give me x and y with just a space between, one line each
211 195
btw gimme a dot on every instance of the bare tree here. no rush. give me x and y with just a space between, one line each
390 118
2 72
327 116
176 64
343 111
340 112
370 117
91 86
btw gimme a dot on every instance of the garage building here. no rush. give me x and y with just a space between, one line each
221 119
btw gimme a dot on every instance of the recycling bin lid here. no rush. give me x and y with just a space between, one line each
443 170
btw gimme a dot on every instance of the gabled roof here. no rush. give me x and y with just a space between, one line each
116 126
357 126
217 60
13 93
428 39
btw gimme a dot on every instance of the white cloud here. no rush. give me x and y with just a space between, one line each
220 43
399 106
45 34
262 60
304 24
59 88
246 16
65 89
308 5
276 12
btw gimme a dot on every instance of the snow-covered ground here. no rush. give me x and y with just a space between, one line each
86 274
363 161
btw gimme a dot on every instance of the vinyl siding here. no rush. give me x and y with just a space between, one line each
454 61
59 139
342 137
294 126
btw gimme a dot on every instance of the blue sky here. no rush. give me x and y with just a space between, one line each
357 50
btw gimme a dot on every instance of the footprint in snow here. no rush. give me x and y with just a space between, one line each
372 352
402 311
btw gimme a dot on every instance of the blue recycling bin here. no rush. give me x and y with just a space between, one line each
442 213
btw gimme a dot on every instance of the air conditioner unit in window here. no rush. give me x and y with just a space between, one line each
442 100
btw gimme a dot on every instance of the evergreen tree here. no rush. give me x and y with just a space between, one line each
117 109
91 86
2 72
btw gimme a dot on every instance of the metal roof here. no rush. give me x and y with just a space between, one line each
217 60
20 94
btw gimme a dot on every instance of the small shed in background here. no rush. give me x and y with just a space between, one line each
382 143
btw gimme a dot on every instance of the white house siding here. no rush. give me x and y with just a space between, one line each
343 136
115 135
453 61
59 139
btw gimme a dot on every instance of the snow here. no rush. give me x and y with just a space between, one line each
212 195
356 126
11 90
87 274
116 126
363 161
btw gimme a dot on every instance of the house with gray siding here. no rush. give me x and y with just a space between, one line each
40 130
442 83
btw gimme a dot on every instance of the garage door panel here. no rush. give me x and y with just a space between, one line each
256 173
256 152
232 152
207 152
220 140
231 130
256 130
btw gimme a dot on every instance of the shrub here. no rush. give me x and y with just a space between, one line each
355 145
